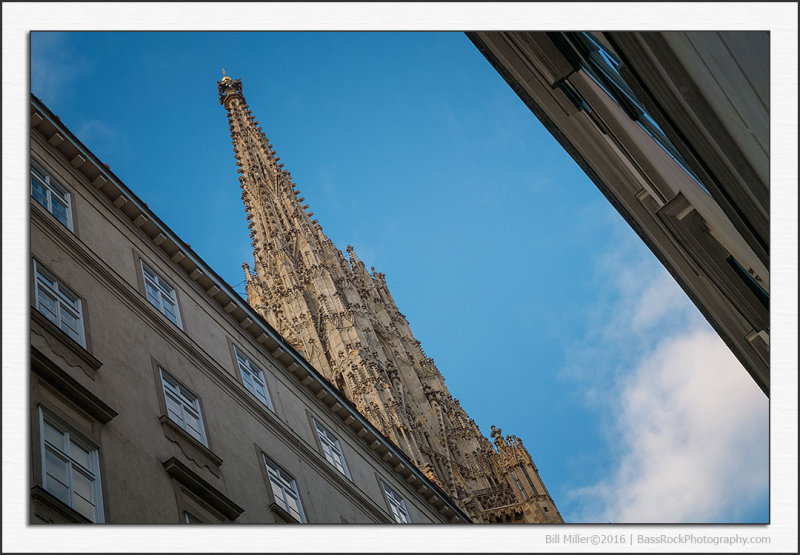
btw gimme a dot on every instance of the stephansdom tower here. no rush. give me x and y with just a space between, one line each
345 322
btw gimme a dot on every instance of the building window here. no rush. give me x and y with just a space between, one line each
58 303
161 294
52 196
284 490
396 505
604 68
183 407
70 467
331 448
253 377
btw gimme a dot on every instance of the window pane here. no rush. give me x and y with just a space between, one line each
167 289
53 436
292 507
45 275
80 455
57 488
48 306
57 192
83 506
56 476
66 296
82 485
152 295
169 310
167 301
174 409
326 450
262 395
188 396
193 426
258 378
60 211
277 491
148 272
169 380
70 325
285 478
39 192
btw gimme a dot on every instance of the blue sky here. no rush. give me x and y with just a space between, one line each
542 309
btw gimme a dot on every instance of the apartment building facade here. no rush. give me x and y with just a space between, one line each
158 395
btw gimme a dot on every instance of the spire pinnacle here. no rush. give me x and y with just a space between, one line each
229 88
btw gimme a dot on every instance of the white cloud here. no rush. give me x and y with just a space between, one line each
694 433
689 426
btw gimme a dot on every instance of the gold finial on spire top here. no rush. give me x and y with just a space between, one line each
225 76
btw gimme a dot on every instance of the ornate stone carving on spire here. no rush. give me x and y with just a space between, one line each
345 322
228 87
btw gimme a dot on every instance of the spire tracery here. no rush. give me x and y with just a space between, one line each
344 320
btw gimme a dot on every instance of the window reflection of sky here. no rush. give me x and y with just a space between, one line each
603 68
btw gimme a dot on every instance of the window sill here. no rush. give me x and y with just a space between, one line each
195 451
283 514
52 510
66 347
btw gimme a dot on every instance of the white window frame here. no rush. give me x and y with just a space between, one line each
253 377
186 404
52 188
286 487
66 301
72 465
331 448
397 505
164 292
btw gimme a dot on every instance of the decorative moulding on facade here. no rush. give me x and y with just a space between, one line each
195 451
202 489
63 345
70 388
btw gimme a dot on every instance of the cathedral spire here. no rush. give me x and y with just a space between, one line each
344 321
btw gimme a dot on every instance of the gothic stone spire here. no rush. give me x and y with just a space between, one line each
345 322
